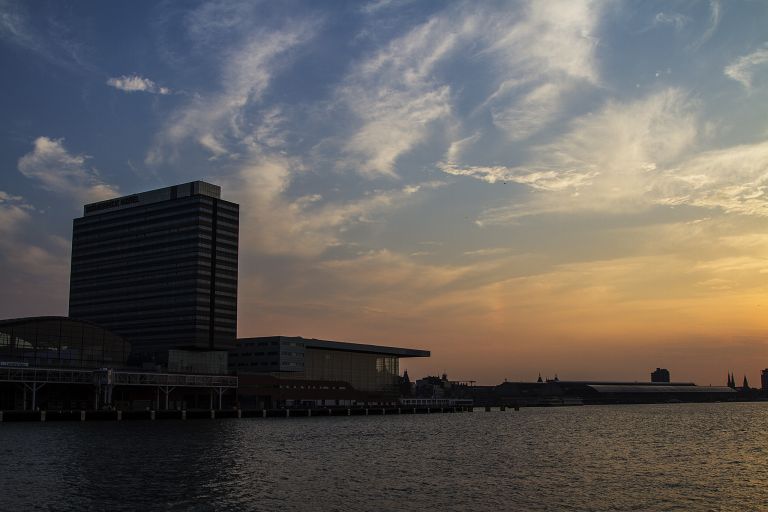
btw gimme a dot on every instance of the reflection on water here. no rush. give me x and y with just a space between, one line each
652 457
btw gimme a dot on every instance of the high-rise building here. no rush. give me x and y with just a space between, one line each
159 268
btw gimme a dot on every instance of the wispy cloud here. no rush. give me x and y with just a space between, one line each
57 42
14 26
607 152
58 171
715 14
632 156
395 96
743 69
217 121
535 54
136 83
27 261
308 225
675 19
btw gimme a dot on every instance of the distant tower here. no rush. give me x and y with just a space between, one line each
405 385
660 375
745 386
730 381
556 379
764 380
539 378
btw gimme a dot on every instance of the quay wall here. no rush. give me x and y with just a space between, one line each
44 416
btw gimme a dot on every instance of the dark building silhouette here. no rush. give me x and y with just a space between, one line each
405 385
764 380
291 370
60 342
660 375
159 268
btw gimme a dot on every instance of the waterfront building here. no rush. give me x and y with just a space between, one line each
284 370
596 392
764 380
159 268
660 375
58 363
60 342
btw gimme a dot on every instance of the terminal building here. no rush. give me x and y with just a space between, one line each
159 269
285 371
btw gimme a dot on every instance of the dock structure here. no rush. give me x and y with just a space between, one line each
105 380
256 414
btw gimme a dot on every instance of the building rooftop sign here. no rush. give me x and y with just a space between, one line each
154 196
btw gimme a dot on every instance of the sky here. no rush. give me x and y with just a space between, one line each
569 188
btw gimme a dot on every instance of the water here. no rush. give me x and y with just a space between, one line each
650 457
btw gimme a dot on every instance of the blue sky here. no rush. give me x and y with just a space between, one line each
572 187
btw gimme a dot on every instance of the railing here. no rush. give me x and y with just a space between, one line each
436 402
46 375
172 379
116 378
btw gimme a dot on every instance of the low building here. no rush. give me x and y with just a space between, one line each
286 371
594 392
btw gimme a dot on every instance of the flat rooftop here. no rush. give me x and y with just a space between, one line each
653 388
153 196
343 346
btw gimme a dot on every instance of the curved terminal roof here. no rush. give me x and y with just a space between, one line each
60 341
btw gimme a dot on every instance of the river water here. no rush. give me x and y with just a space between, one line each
649 457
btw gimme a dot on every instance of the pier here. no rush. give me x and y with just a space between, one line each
206 414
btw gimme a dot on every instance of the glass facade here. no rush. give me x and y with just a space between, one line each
60 342
321 369
159 268
374 373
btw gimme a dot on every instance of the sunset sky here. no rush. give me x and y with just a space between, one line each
571 188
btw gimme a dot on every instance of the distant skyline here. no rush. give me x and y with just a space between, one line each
571 188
